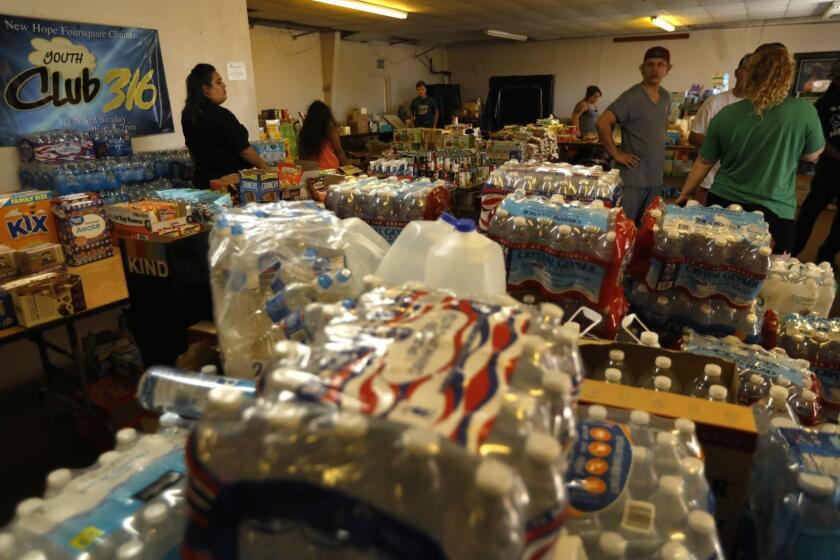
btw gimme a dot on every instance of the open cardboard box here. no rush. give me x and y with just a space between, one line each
727 432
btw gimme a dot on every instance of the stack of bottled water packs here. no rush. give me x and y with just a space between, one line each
572 182
417 425
795 287
701 268
637 488
268 263
568 253
816 340
129 505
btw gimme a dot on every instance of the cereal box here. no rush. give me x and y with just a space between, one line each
259 185
82 228
37 259
26 219
8 263
46 297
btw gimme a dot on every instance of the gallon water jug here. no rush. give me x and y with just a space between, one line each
406 259
365 247
466 262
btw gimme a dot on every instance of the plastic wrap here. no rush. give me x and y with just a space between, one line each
816 340
132 499
566 251
539 143
56 145
573 182
461 168
794 287
637 477
388 205
420 425
268 262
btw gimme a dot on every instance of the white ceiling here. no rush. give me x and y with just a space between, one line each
446 22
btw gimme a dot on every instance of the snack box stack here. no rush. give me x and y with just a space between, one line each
149 219
38 259
44 297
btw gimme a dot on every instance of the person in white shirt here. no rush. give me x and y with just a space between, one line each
704 116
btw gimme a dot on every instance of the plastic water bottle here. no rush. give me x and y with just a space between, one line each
613 376
699 386
768 482
666 454
718 393
487 524
662 384
696 487
550 317
774 405
640 429
671 509
674 550
597 413
687 436
701 537
466 262
807 408
807 523
662 367
546 492
416 484
168 389
615 361
558 389
126 438
643 478
611 546
751 389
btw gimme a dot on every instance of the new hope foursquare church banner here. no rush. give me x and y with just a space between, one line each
58 74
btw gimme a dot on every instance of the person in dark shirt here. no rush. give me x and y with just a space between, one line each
424 109
825 186
218 143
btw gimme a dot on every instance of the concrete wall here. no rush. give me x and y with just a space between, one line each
191 31
577 63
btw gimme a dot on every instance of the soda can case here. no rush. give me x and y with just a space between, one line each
816 340
566 252
572 182
332 427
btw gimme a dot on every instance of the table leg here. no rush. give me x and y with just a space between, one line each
79 362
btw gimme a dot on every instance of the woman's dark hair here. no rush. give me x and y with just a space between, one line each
592 90
200 76
313 132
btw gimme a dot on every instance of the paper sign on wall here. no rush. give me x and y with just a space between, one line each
236 71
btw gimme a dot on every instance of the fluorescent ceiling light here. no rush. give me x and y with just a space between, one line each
505 35
365 7
830 10
662 24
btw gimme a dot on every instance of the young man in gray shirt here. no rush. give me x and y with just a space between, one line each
642 111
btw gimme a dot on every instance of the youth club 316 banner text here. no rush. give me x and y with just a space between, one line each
58 74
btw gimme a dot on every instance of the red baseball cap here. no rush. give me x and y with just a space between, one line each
658 52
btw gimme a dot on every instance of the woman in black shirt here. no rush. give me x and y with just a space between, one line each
218 143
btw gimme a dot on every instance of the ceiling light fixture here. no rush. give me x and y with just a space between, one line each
662 24
366 7
505 35
830 10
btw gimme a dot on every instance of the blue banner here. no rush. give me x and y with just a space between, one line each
66 75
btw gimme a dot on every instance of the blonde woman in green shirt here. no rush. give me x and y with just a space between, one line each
759 142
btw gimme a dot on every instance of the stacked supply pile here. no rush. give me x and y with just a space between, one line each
388 205
795 287
573 182
461 168
419 425
817 340
637 488
540 143
700 268
268 263
566 253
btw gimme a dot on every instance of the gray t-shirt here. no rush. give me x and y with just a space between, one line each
643 125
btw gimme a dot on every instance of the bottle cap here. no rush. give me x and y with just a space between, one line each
612 544
718 392
666 440
224 400
662 300
284 416
466 225
827 428
721 241
617 355
610 237
663 362
816 484
349 425
126 436
691 466
528 299
494 477
712 370
28 506
673 234
557 382
706 309
649 338
782 422
542 448
573 328
372 281
597 412
532 343
107 458
685 426
452 220
613 375
155 514
673 550
640 453
662 383
808 396
565 229
640 417
670 484
420 442
701 522
656 214
552 310
59 478
765 251
168 420
756 379
735 208
130 551
752 318
210 369
778 393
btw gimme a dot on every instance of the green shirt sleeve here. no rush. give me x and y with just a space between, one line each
711 149
814 139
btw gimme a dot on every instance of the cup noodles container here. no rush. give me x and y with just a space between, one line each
38 259
83 228
46 297
26 218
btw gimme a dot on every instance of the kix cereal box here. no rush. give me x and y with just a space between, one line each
82 228
26 219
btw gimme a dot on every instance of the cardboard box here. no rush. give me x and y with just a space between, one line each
727 432
46 297
83 228
37 259
259 185
26 219
149 220
9 266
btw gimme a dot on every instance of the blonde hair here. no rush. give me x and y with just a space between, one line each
768 77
